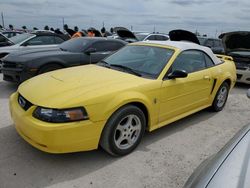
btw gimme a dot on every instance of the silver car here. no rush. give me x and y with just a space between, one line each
35 40
229 168
32 41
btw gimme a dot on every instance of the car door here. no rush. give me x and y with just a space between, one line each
103 49
181 95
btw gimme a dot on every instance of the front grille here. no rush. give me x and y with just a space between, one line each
241 68
239 76
242 63
24 103
8 64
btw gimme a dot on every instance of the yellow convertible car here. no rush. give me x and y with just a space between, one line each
143 86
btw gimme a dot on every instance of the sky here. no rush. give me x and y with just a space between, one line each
209 17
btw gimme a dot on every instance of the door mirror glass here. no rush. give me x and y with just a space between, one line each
177 74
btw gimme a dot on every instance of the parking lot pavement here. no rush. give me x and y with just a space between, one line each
165 158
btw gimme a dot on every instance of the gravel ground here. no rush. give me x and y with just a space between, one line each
165 158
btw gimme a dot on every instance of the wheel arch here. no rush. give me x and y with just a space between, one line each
142 107
141 101
51 63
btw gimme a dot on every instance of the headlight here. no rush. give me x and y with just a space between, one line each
60 115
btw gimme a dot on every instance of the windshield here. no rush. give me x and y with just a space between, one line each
20 38
3 39
148 61
74 45
141 37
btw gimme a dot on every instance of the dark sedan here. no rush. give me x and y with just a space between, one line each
20 66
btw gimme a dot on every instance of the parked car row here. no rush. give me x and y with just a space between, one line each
22 65
234 44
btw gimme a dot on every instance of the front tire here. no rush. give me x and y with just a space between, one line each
220 97
123 131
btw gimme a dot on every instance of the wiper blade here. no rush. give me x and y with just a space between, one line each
126 69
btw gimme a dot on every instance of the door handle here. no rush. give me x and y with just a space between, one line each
206 77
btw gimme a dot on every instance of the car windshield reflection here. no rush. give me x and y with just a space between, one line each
146 60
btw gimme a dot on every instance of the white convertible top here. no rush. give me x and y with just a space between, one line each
182 45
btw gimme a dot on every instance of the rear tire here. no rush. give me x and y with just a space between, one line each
220 97
48 68
123 131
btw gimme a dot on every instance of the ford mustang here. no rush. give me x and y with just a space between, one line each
143 86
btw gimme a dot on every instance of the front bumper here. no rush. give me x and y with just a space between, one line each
243 76
55 137
16 74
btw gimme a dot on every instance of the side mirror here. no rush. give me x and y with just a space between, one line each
177 74
90 51
248 93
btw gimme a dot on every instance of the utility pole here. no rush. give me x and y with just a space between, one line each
103 24
63 22
2 19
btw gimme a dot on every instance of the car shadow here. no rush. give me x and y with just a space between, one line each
242 85
25 166
180 125
6 89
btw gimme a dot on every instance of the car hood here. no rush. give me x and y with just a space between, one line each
27 55
124 33
9 49
183 35
88 84
236 41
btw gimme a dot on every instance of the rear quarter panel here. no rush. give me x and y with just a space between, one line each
225 71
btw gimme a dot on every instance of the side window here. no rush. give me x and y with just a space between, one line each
115 46
190 61
209 61
106 46
164 37
151 37
41 40
161 37
58 40
100 46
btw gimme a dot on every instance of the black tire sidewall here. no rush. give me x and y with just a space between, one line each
113 123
